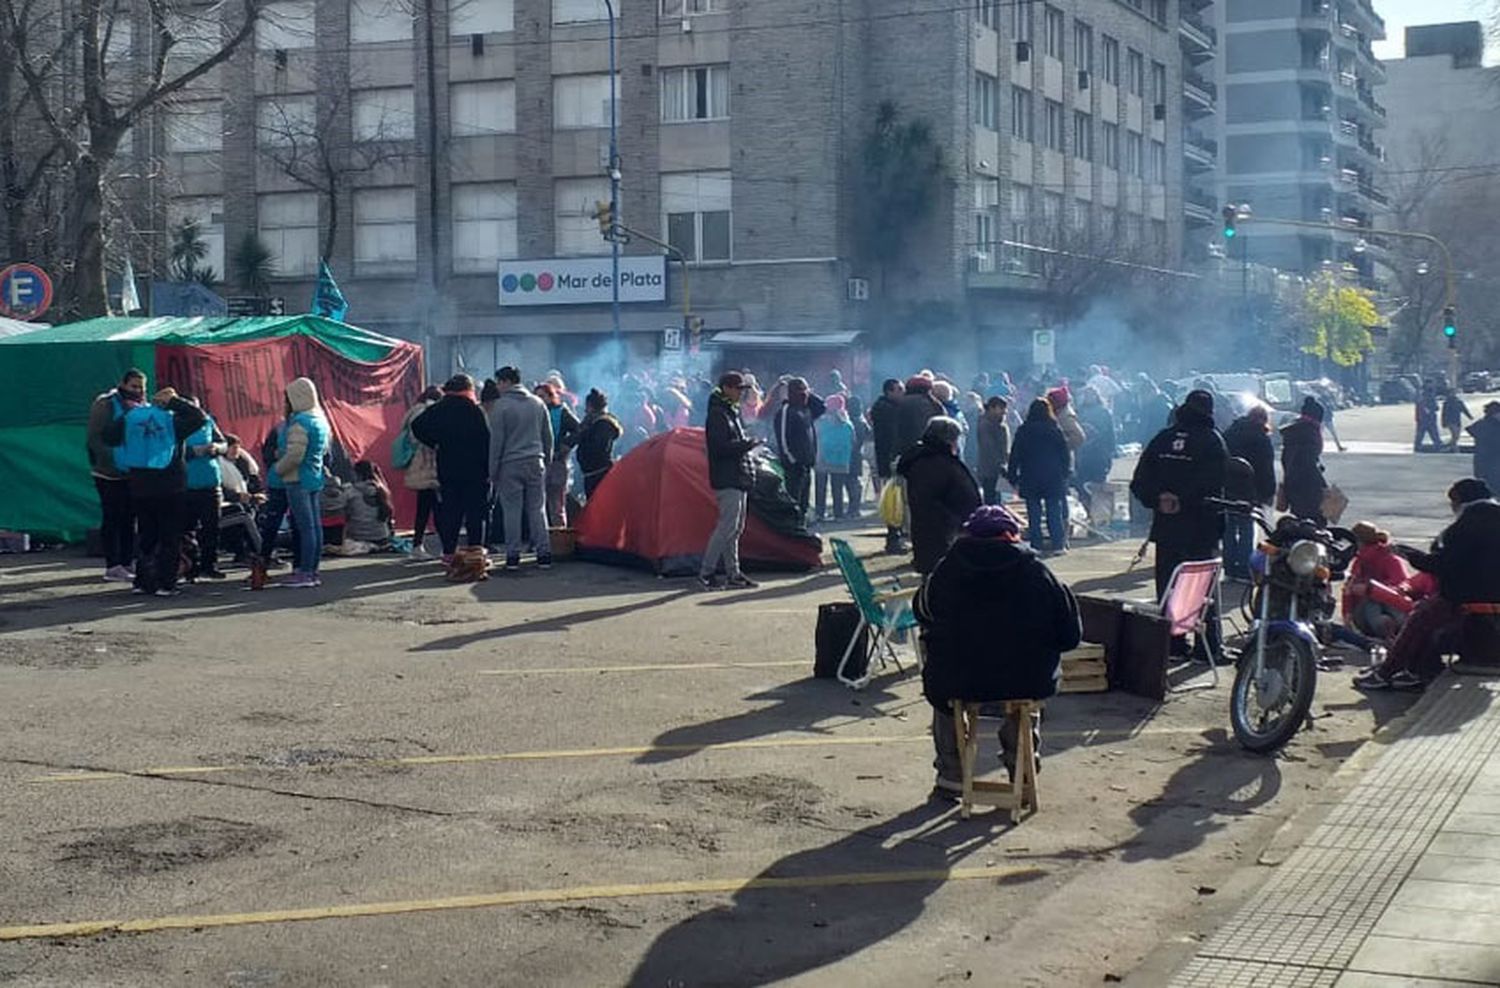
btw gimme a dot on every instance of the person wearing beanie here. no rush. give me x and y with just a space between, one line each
835 453
1486 433
456 428
1061 400
1183 465
941 493
990 588
117 517
1038 469
420 475
1302 480
731 474
597 435
1375 562
918 407
885 415
794 431
301 471
1249 440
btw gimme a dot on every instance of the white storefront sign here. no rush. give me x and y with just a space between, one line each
582 281
1043 347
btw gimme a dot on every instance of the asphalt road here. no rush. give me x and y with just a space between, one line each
595 777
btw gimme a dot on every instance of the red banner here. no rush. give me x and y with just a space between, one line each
242 385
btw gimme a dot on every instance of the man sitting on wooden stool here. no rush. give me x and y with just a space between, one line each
995 623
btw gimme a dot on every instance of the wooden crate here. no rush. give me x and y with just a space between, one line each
1084 670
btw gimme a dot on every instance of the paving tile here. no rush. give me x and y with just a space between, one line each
1449 925
1473 823
1465 845
1469 870
1479 803
1361 979
1429 959
1457 896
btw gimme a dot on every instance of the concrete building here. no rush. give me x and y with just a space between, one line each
448 160
1445 106
1299 131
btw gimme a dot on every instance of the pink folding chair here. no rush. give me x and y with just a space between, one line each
1185 606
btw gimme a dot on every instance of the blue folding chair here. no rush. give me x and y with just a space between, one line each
885 614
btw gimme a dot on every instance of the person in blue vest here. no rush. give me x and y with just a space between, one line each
274 511
117 519
300 468
150 439
204 494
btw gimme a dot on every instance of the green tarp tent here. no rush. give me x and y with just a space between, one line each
50 377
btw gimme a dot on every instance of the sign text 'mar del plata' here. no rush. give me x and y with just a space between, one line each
581 281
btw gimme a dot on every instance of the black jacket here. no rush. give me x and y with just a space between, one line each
884 416
940 494
172 478
1039 460
1302 468
1097 454
985 592
1251 443
796 438
917 409
1486 433
458 429
567 434
729 466
1189 460
596 442
1464 556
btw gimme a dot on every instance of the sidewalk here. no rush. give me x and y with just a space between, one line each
1400 885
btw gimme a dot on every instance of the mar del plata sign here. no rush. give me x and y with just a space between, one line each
582 281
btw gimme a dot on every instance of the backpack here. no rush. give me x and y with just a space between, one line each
403 449
150 439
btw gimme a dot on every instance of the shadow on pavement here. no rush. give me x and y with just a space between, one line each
562 622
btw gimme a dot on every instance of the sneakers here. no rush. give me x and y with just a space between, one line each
544 562
1371 679
512 562
1407 681
946 791
213 574
418 554
164 592
710 582
118 574
300 580
741 582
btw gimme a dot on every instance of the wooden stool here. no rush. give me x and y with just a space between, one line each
1013 796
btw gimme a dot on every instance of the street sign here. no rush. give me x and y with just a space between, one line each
255 305
858 290
25 291
671 338
1043 347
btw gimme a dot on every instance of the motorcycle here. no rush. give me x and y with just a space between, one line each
1293 573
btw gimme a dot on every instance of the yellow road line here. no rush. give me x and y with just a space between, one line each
515 898
663 667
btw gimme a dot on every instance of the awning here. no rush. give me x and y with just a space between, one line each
781 341
10 327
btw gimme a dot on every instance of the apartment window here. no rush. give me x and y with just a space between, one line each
580 101
477 109
987 12
1135 228
194 38
287 223
986 100
1052 204
1112 146
986 215
1134 153
1054 124
1158 83
207 214
1083 46
1022 20
1159 11
699 92
1156 164
684 8
1110 58
285 25
575 229
695 211
1052 31
385 230
466 17
1159 236
984 233
1020 212
195 127
1078 216
1083 135
1135 72
484 225
384 114
1110 218
285 120
1020 113
372 21
580 11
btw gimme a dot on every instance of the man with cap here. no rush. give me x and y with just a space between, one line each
1184 465
731 474
990 588
1302 463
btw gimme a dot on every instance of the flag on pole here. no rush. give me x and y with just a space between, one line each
328 301
130 296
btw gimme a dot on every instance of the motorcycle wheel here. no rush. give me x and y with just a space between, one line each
1268 712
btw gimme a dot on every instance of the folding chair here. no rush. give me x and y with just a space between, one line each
1015 796
1185 605
884 613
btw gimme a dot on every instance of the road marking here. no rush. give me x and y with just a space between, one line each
1088 737
515 898
663 667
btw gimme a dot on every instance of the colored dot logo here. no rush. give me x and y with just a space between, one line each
544 281
509 283
528 282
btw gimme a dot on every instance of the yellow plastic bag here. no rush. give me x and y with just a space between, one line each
893 504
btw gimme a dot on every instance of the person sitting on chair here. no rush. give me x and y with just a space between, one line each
995 623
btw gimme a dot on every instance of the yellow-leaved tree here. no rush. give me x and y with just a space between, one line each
1338 320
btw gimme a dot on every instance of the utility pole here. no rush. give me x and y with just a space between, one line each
614 194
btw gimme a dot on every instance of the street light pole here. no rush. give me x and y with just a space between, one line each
614 195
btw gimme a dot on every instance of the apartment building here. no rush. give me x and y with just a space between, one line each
447 160
1300 125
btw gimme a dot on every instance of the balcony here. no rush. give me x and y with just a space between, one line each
1315 17
1362 13
1199 40
1201 153
1347 133
1006 267
1369 147
1346 35
1373 194
1198 206
1199 95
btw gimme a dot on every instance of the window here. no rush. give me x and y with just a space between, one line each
1021 20
986 99
1158 83
1078 216
1156 165
194 38
1054 124
1020 113
480 108
984 233
700 92
1159 11
384 114
208 214
284 25
378 20
484 225
1020 211
1112 145
466 17
1134 148
695 211
580 11
385 230
1083 136
1052 209
986 220
1110 56
682 8
1052 31
1159 236
1110 218
580 101
195 126
987 12
1135 72
285 120
1083 46
575 229
287 223
1135 228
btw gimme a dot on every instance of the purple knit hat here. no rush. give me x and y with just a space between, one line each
991 521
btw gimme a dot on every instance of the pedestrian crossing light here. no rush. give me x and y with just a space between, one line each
605 214
1450 326
1230 214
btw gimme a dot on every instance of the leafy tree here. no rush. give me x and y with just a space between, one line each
254 265
1338 320
187 252
902 169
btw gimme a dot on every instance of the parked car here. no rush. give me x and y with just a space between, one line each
1397 391
1477 382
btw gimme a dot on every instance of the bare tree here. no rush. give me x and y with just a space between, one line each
88 127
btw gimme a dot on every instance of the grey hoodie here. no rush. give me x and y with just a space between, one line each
520 430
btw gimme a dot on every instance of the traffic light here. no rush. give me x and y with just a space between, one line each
1229 214
605 214
1450 326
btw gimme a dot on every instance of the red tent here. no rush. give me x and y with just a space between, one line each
655 507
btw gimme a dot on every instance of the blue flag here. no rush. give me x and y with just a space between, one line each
328 301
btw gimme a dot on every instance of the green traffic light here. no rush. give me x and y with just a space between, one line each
1229 233
1450 330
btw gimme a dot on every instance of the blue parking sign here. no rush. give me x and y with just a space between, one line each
25 291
